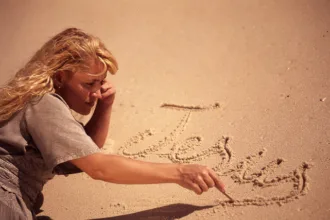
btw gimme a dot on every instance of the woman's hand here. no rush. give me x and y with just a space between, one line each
199 178
98 126
108 92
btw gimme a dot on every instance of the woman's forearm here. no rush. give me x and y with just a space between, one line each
118 169
98 126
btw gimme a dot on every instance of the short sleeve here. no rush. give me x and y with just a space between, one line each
57 134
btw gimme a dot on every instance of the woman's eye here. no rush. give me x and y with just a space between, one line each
89 84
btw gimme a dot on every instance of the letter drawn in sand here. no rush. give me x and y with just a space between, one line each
240 172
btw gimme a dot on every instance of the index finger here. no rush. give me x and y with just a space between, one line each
218 183
105 86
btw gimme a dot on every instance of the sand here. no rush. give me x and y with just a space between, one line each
239 86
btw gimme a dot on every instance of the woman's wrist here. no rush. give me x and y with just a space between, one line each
103 108
175 173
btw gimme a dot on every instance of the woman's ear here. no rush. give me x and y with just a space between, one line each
59 78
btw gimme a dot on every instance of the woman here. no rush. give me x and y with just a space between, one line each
40 138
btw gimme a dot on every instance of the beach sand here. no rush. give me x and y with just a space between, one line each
239 86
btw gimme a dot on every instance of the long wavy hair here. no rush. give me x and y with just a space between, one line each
69 51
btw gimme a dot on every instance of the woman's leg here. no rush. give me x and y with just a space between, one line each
37 205
12 207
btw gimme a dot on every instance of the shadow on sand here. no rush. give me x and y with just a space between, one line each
168 212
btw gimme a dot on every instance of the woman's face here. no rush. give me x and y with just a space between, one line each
81 90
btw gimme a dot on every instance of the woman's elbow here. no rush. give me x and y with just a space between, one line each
97 175
92 165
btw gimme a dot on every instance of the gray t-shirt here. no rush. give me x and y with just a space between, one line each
37 143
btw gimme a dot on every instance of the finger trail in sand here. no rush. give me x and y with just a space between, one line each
241 172
216 105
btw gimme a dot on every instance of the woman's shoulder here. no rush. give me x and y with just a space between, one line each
49 99
50 102
54 96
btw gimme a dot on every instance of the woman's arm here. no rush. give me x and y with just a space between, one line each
98 126
122 170
119 169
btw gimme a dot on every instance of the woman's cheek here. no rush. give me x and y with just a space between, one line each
85 92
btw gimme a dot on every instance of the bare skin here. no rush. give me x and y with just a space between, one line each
81 91
98 126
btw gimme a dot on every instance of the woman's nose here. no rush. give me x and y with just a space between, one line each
97 94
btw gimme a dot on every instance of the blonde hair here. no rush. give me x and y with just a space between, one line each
69 51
